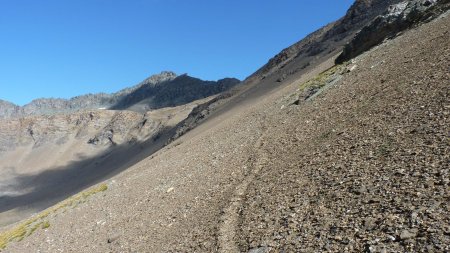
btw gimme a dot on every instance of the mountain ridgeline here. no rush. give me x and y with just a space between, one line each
326 41
162 90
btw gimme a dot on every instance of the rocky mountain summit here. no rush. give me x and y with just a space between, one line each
161 90
180 90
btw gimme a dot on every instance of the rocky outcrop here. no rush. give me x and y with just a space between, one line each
326 40
157 91
397 18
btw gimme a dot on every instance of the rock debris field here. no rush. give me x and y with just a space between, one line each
361 167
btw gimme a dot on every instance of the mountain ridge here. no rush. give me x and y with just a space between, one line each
48 106
325 40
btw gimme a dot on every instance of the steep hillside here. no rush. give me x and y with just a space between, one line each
317 158
362 166
294 61
325 41
158 91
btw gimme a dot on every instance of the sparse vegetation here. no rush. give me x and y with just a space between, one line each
36 226
45 225
28 227
309 88
322 79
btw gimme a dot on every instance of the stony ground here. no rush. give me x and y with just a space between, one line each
364 166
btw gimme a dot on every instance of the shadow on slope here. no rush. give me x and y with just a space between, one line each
54 185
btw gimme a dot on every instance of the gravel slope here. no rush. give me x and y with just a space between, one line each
365 167
362 167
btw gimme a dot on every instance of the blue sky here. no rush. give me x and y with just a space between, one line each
54 48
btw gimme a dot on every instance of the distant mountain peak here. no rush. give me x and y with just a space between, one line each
159 78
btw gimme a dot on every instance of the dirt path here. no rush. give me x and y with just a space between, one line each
230 217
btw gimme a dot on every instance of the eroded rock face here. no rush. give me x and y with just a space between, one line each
397 18
107 127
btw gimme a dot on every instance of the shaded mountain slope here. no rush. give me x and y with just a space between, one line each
180 90
53 148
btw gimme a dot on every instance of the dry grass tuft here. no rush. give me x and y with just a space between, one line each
28 227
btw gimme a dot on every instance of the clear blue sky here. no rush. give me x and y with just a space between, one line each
54 48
